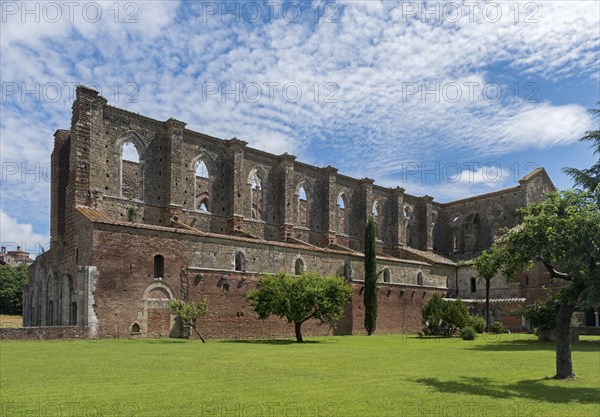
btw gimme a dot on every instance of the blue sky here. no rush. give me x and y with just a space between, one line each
448 99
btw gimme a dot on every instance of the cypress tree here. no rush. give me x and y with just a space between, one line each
370 292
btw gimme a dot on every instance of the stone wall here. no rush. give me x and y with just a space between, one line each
164 186
44 333
128 295
112 220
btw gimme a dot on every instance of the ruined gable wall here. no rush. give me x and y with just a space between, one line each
494 211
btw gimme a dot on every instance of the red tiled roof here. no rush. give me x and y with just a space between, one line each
98 216
431 257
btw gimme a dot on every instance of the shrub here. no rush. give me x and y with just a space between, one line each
468 333
443 318
498 327
541 315
478 323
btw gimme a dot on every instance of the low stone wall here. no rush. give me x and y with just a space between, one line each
44 333
587 330
551 336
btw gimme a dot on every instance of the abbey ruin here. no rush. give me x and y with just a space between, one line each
196 216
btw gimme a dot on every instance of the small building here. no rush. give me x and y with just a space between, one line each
14 257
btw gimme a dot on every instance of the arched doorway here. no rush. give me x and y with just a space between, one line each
157 310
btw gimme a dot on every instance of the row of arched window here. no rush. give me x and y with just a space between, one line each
240 265
132 186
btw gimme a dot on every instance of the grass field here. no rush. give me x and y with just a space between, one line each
334 376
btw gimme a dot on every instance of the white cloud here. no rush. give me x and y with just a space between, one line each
370 50
13 234
450 181
545 125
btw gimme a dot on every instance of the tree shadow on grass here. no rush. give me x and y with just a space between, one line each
531 345
163 341
271 341
533 389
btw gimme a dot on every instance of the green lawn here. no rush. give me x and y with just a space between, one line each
334 376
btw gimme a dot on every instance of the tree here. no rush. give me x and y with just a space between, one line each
189 312
370 291
589 179
300 298
563 233
443 318
487 265
12 282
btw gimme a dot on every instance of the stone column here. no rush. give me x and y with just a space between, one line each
176 166
88 276
428 220
397 220
237 184
286 195
366 205
330 208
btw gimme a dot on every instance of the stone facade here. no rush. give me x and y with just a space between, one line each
196 216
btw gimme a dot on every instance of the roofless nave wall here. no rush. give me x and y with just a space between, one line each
144 210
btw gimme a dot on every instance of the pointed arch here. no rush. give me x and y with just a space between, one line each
304 198
343 212
257 179
377 212
239 261
131 137
348 271
50 300
130 151
202 166
206 158
470 232
419 278
201 169
299 266
203 202
387 275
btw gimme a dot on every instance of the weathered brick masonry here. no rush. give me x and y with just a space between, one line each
195 216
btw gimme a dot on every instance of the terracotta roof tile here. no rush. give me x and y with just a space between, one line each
98 216
429 256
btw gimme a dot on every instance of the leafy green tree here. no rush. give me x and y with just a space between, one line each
487 265
443 318
12 282
563 233
370 291
300 298
189 312
589 179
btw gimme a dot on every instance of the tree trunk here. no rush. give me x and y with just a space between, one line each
487 305
199 335
564 364
298 332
